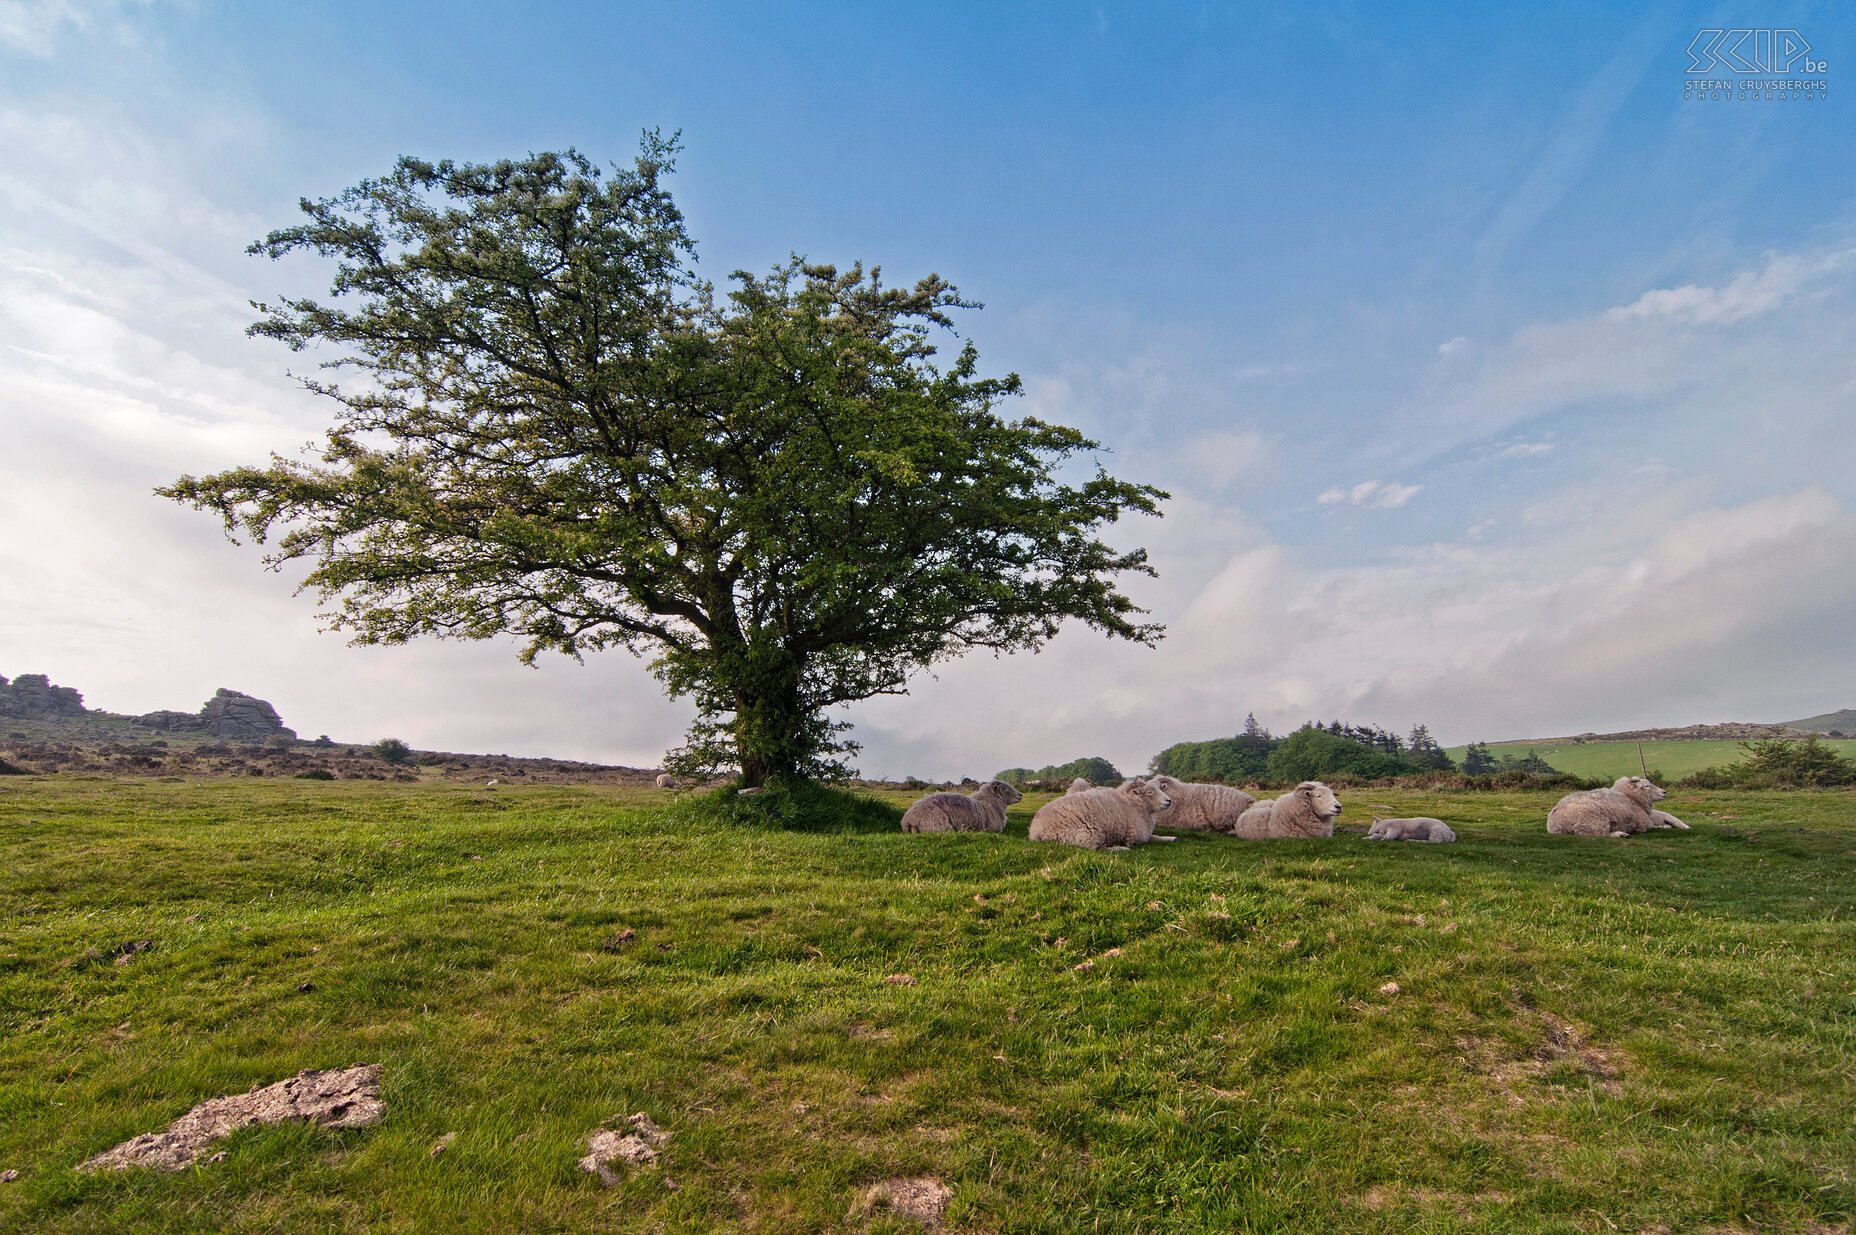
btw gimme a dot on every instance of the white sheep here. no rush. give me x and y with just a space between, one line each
1622 810
1306 811
981 811
1663 819
1103 818
1420 828
1204 808
666 781
1081 784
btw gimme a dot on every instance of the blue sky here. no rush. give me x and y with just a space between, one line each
1498 386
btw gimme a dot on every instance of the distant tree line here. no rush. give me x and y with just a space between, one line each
1095 769
1478 761
1313 752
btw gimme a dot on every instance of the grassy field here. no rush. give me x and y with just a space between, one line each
1514 1033
1610 760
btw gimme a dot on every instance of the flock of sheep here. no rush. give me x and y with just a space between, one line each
1126 815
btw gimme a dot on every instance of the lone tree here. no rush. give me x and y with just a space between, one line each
561 434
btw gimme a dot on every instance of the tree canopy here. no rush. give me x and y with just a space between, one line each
557 431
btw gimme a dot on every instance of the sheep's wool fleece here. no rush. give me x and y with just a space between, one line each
1625 809
1101 818
1203 808
1304 813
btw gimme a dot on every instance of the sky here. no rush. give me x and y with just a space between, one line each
1498 386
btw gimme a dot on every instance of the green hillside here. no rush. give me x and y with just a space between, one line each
1842 722
1609 760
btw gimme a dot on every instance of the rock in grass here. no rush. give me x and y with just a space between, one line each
638 1147
336 1098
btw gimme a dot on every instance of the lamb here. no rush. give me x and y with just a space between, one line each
1204 808
1081 784
1306 811
983 810
1663 819
1421 828
1103 818
1622 810
666 781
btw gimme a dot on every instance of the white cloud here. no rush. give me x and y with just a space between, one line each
1372 494
1562 161
1654 618
28 25
1260 372
1220 457
1452 346
32 26
1749 293
1758 358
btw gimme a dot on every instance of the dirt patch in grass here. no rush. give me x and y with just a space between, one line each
1563 1052
923 1198
637 1147
338 1098
1392 1196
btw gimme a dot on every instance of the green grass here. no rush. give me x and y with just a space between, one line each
1610 760
1586 1036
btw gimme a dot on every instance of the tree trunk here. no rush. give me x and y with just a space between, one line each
772 728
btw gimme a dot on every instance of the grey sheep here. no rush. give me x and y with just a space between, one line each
1421 828
1622 810
1204 808
1103 818
981 811
1307 811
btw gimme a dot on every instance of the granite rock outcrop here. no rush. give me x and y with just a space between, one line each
228 714
33 695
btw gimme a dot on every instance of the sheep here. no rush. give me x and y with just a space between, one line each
1422 828
1203 808
1081 784
1622 810
1663 819
1306 811
666 781
981 811
1103 818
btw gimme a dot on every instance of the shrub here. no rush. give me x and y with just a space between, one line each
392 750
316 774
802 806
1779 763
